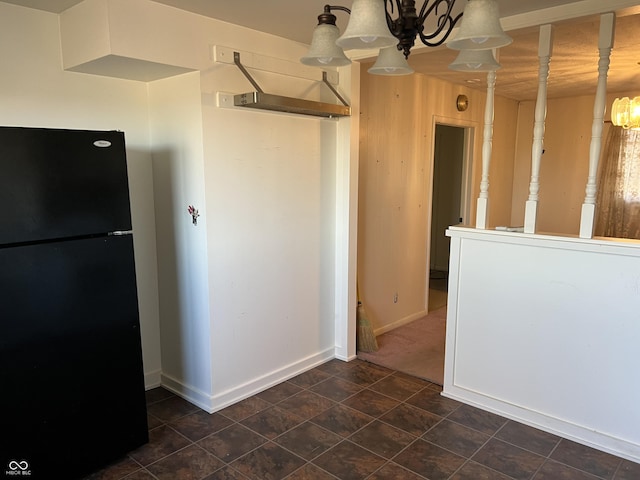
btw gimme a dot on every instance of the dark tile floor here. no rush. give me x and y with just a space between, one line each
353 421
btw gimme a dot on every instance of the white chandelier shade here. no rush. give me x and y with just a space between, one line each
475 61
480 28
391 61
367 27
324 51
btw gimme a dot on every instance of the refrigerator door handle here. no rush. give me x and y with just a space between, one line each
118 233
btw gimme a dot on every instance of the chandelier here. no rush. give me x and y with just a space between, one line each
393 26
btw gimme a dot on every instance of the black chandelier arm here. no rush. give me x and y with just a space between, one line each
409 24
328 18
445 23
394 25
329 8
428 7
405 28
390 2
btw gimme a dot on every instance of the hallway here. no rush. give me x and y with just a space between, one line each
417 348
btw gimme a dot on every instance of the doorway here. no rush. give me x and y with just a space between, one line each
417 348
449 204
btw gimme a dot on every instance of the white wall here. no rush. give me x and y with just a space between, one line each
248 297
36 92
271 204
178 175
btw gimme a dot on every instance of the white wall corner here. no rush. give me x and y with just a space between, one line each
84 33
219 400
91 38
152 379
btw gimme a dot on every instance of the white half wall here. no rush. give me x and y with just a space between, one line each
545 330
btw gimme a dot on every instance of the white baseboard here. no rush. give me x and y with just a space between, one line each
556 426
441 268
193 395
152 379
346 359
399 323
218 401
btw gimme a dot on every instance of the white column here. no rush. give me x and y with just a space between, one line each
605 44
545 45
483 199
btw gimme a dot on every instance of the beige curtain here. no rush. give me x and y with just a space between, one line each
618 198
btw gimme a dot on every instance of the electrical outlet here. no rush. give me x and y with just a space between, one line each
395 297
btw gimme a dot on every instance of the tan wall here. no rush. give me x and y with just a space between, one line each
398 115
565 163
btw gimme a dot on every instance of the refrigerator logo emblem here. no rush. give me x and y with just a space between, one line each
102 143
18 468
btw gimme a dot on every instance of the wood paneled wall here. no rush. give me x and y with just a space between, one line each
398 116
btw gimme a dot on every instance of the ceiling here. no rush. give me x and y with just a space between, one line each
573 65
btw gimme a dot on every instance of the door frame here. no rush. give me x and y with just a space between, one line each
470 137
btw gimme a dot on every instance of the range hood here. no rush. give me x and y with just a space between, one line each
278 103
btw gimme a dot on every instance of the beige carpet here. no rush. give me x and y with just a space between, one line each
416 348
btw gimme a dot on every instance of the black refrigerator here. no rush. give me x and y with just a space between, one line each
71 380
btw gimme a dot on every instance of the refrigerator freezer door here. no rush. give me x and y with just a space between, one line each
61 184
70 356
